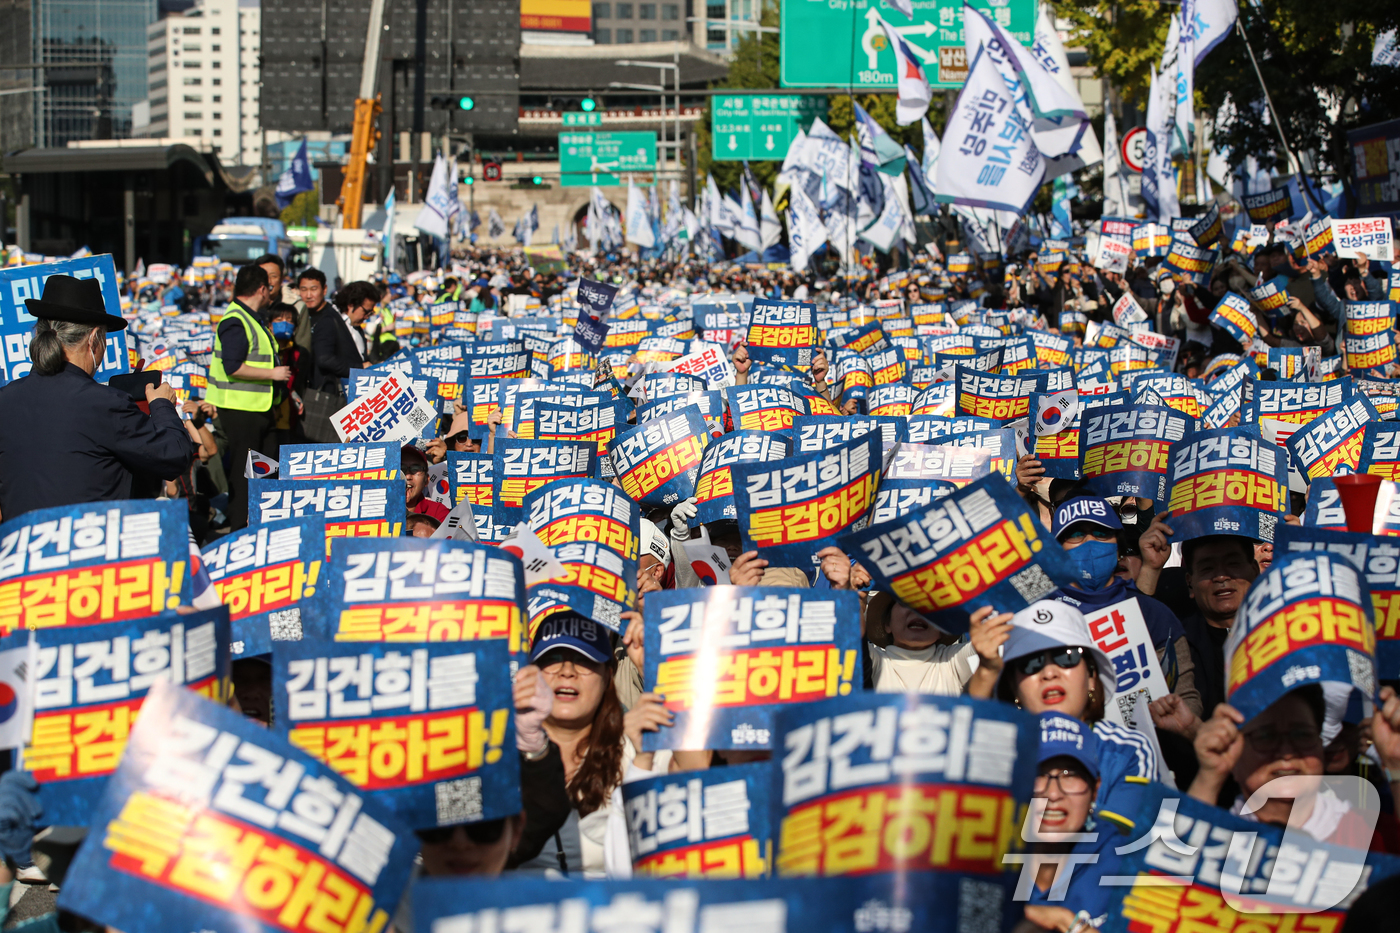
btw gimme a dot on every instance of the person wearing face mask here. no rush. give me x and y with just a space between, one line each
1043 659
65 438
1088 528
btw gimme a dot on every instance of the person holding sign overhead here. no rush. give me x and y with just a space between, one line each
66 439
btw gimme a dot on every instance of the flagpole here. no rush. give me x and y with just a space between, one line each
1294 163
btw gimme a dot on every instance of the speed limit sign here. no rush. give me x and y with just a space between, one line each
1134 142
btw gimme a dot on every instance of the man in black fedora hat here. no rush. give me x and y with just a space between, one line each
65 438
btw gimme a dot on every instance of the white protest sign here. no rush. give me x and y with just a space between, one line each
709 364
1258 235
1364 236
392 412
1127 311
1278 432
1120 632
1112 255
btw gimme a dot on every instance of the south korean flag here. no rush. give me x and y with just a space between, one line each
1057 413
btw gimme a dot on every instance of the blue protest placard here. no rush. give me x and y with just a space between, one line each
710 403
711 823
499 359
1330 444
1236 316
95 562
597 297
821 432
523 412
1298 403
782 332
1192 262
926 429
791 509
520 467
339 461
851 753
763 407
595 424
469 478
359 508
1123 449
1378 559
658 461
894 400
714 490
594 530
261 575
1055 418
425 727
1234 870
1226 482
590 332
978 547
19 283
1307 619
89 684
987 395
887 367
418 590
873 903
916 474
201 793
726 657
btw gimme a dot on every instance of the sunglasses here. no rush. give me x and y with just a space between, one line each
1063 658
484 833
461 437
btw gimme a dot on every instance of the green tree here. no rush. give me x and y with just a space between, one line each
1123 39
303 210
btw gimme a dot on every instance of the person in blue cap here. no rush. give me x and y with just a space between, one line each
1068 779
1044 660
1089 530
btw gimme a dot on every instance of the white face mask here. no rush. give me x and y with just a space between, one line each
95 362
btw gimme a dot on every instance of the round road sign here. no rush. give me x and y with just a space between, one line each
1134 142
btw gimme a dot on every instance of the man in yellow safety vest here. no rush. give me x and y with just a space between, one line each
246 383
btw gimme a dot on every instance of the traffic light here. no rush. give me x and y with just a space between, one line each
538 179
468 180
588 105
466 103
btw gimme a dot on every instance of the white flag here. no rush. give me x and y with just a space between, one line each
1083 148
441 202
1053 105
541 565
1115 185
459 525
17 671
746 229
988 158
770 229
638 221
913 89
1209 22
930 161
1158 176
260 467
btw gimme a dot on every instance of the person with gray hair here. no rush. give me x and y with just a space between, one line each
65 438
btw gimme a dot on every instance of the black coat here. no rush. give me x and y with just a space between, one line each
333 350
66 439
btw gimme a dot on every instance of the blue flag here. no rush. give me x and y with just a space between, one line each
296 179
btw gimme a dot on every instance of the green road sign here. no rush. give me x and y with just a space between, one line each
583 119
598 158
835 43
760 126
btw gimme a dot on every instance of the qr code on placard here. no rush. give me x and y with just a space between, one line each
285 624
979 906
458 801
418 418
1363 672
606 612
1267 524
1032 583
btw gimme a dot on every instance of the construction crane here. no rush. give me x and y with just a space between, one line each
364 134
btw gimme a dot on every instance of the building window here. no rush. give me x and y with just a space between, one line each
715 37
218 116
158 84
191 30
646 10
195 131
191 47
157 68
194 98
216 81
157 101
624 11
715 11
193 82
603 36
217 131
217 98
213 48
214 65
670 11
670 35
214 31
193 115
190 64
602 11
156 53
624 37
647 35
